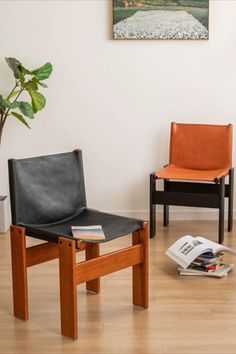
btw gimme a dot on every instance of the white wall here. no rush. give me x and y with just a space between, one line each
114 99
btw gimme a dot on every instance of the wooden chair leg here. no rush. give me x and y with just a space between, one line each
68 293
165 207
221 209
140 271
152 206
92 251
231 194
19 272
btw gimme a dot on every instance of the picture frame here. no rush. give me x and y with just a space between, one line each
160 19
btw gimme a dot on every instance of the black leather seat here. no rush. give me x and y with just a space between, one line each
48 197
113 226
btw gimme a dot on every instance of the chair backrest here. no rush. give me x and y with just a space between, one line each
46 189
201 146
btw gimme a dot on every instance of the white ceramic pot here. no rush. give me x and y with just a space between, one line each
4 214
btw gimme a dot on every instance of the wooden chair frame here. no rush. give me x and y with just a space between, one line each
73 274
205 195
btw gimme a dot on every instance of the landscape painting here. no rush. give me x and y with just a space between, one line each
160 19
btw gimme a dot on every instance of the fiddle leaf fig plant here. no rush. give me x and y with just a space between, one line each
29 81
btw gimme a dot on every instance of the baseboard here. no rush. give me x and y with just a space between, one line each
180 213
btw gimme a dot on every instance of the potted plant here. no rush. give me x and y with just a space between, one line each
11 106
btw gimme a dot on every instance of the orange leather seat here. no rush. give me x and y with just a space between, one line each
175 172
200 153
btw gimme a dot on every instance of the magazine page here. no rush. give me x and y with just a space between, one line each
186 249
216 247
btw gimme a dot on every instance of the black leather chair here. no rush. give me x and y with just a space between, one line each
47 198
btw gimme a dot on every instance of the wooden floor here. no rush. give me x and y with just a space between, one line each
186 315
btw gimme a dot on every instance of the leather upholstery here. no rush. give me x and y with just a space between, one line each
174 172
199 152
48 197
46 189
201 146
113 226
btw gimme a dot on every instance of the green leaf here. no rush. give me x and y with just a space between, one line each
1 103
22 78
41 83
38 100
43 72
14 104
26 109
31 85
21 118
4 103
13 94
14 64
25 71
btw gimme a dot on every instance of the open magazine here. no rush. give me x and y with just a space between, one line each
185 250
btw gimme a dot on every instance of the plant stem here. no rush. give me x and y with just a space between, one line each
1 124
7 111
1 117
6 114
16 85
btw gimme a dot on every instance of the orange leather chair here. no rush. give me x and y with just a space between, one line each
200 160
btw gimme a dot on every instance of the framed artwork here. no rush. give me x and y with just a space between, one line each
160 19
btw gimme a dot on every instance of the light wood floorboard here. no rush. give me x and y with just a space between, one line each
186 315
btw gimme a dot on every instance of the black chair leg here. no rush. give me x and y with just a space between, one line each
165 207
152 206
230 205
221 208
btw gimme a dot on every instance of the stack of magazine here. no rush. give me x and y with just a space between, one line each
199 256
